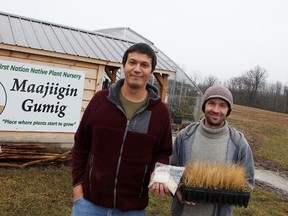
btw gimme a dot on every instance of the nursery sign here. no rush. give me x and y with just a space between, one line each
39 98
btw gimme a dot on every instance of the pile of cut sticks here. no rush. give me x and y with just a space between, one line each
21 156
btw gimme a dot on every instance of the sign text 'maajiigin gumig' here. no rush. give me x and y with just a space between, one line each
53 89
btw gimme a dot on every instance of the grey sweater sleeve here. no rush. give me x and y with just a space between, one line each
246 159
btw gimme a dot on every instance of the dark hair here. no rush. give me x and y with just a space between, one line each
141 48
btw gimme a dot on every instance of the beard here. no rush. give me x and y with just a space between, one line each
215 123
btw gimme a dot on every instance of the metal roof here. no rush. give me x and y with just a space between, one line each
125 33
26 32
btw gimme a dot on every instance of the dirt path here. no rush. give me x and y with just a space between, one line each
272 179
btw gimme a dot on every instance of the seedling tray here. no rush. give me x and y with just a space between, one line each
218 196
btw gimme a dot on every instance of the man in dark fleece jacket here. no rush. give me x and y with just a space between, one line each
124 131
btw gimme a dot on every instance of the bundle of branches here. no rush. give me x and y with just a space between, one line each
215 176
30 154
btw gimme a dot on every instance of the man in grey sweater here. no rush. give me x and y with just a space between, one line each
211 140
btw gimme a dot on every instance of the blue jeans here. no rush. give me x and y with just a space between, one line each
83 207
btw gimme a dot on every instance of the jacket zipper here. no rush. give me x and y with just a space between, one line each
121 151
90 171
118 164
145 172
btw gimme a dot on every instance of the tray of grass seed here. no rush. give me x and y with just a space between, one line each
215 183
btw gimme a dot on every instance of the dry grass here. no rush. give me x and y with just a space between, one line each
215 176
46 190
39 190
267 133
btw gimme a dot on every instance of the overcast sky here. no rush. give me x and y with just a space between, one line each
223 38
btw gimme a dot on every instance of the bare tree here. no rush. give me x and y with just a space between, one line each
196 77
211 80
251 89
208 81
285 108
277 94
271 97
253 80
237 88
235 84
